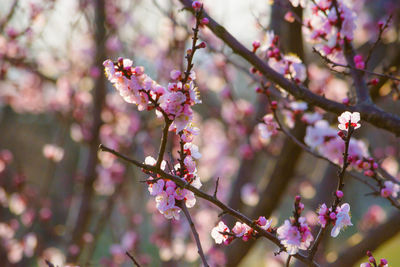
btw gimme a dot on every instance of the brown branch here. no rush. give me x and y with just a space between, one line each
226 209
194 231
164 140
370 112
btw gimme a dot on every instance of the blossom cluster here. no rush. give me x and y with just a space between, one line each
174 103
222 234
323 138
136 87
372 261
329 24
288 65
295 233
390 189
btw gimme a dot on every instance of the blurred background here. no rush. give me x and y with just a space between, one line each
64 201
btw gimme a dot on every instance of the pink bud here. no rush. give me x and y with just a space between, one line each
262 221
369 173
332 215
256 44
297 198
202 45
274 104
204 21
346 101
358 58
360 65
196 5
339 194
384 262
374 81
369 253
371 259
289 17
259 90
375 165
341 134
385 192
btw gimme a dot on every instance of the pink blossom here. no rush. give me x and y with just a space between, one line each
293 237
164 201
192 150
298 106
240 229
156 188
217 230
249 194
190 164
322 215
348 117
269 128
317 134
297 3
342 219
53 152
264 223
390 189
172 212
175 74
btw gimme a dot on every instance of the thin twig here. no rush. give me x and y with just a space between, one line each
216 188
133 259
335 64
288 260
194 231
381 30
49 264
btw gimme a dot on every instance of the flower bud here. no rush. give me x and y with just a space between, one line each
339 194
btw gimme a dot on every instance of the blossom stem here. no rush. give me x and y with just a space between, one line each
288 260
132 259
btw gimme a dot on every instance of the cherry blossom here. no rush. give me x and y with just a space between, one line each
348 117
390 189
217 231
240 229
295 237
53 152
342 219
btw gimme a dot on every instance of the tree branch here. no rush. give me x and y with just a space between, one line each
226 209
194 231
370 112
